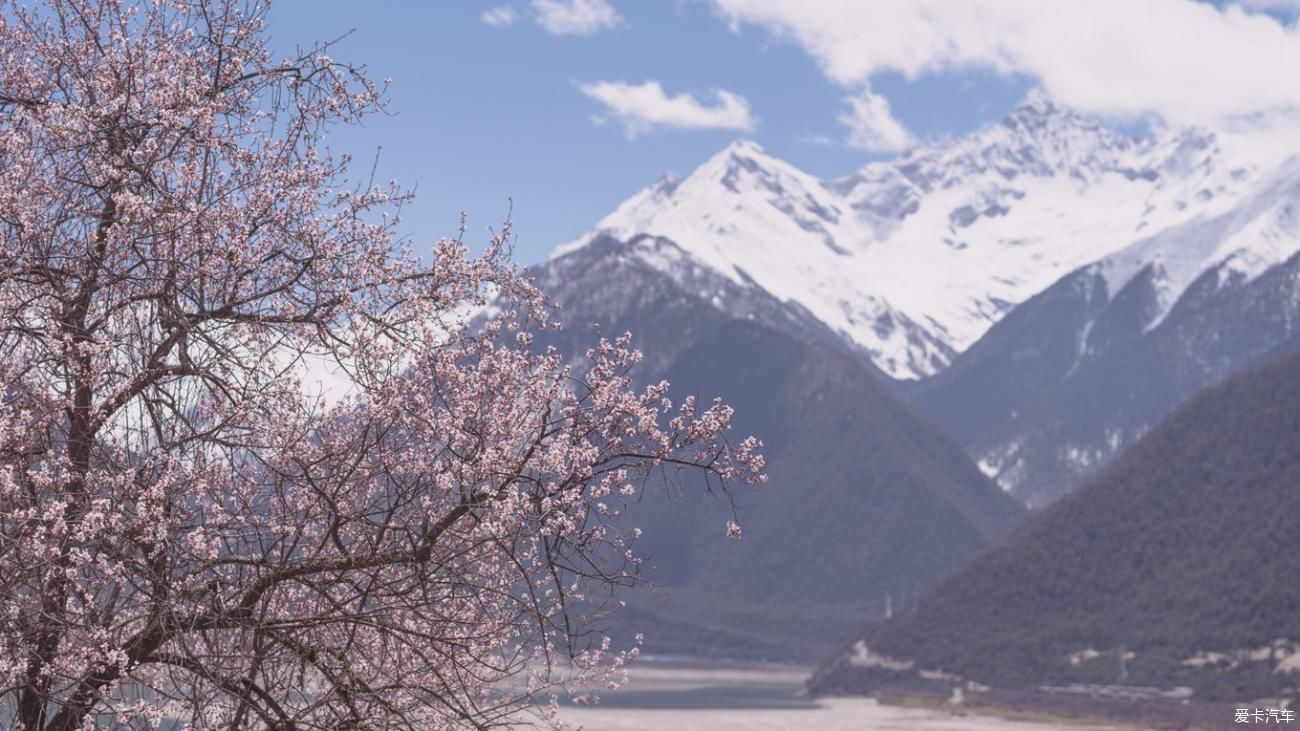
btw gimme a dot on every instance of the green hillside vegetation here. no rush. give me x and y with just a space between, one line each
1189 543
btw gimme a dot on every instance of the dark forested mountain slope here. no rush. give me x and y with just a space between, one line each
1181 556
863 502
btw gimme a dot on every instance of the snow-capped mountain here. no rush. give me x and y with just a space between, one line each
1063 384
912 260
1045 289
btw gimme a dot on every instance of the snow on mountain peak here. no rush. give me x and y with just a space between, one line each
1260 232
1036 100
913 259
743 146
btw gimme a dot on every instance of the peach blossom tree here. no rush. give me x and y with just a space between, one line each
192 534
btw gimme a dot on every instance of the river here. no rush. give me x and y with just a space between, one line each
693 697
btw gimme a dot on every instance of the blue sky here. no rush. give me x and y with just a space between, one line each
482 114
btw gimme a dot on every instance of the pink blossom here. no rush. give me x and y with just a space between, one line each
183 533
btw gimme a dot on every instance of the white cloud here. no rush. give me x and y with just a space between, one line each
499 16
815 139
644 107
1186 61
872 126
575 17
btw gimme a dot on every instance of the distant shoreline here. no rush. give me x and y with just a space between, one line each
1042 707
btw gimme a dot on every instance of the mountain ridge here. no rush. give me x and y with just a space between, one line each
911 260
